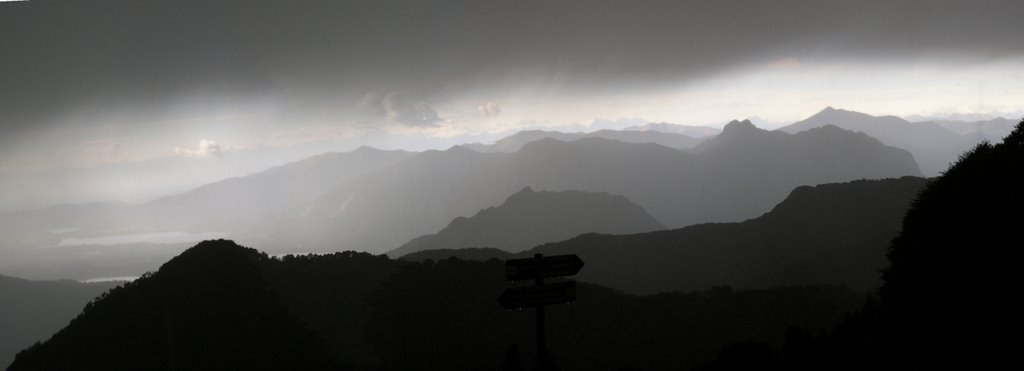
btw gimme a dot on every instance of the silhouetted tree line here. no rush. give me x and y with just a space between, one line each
953 295
223 306
444 315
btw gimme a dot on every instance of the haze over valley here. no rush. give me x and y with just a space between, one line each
484 185
377 200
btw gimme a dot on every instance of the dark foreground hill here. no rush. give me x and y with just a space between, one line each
954 290
31 311
952 297
223 306
444 315
828 234
206 309
529 218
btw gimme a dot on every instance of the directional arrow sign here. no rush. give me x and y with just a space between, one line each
535 296
542 267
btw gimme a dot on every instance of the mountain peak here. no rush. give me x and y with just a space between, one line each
526 190
458 148
830 113
368 150
219 255
547 215
365 148
524 195
736 126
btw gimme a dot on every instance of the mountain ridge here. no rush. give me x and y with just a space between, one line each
528 218
742 178
515 142
933 146
826 234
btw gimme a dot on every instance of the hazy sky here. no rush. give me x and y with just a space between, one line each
88 87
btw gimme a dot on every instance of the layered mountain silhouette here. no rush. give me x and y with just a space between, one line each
515 142
222 306
828 234
376 201
529 218
934 147
951 297
738 175
31 311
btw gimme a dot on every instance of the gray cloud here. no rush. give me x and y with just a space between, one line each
400 107
206 148
489 109
63 58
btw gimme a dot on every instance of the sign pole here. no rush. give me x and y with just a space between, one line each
540 294
541 351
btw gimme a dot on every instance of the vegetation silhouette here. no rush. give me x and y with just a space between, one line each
953 295
951 298
223 306
445 315
207 309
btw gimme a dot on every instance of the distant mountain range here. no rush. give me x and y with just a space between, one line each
529 218
952 294
992 130
229 205
239 201
31 311
737 175
935 145
698 132
30 241
515 142
828 234
374 200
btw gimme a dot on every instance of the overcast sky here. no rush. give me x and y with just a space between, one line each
87 84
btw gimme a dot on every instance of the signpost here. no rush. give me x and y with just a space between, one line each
536 296
540 266
540 294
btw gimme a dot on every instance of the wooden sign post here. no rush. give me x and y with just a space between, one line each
540 294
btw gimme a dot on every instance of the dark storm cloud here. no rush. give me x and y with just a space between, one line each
89 56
